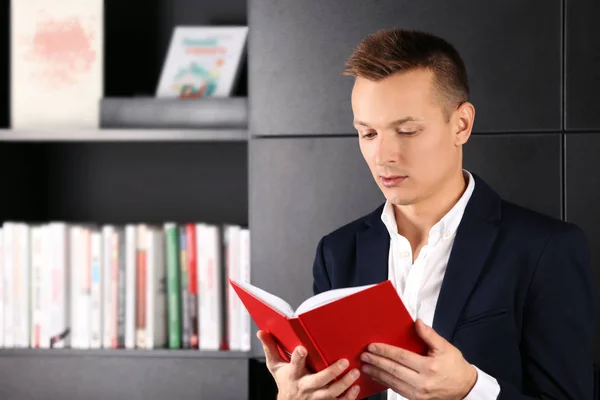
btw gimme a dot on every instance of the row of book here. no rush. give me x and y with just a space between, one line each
132 286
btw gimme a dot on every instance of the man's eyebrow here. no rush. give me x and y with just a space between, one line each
393 123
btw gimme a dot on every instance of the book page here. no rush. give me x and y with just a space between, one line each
327 297
275 302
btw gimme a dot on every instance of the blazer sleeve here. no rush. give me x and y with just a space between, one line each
321 282
558 323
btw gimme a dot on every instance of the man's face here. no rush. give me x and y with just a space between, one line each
404 137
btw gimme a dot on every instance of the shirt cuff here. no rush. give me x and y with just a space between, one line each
486 387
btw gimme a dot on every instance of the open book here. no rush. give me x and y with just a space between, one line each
335 324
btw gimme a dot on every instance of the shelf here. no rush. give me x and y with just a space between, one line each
154 353
112 135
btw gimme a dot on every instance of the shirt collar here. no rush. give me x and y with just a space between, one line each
446 226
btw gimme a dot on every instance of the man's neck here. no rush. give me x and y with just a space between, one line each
416 220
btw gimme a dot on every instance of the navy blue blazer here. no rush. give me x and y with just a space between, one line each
517 299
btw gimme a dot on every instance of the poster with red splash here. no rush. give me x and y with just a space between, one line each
56 64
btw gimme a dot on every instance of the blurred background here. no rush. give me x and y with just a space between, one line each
291 170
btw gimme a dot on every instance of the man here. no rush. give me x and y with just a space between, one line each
502 295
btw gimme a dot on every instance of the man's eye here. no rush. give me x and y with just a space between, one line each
407 133
369 135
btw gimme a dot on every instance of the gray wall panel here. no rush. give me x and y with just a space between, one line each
582 55
523 168
582 194
297 51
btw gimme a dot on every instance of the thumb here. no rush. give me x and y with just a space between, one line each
430 336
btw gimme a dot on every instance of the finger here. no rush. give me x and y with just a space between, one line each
389 381
298 361
352 393
340 386
392 367
270 348
322 378
430 336
412 360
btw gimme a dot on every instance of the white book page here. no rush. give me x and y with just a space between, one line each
327 297
268 298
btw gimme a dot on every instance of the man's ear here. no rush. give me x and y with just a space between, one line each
463 119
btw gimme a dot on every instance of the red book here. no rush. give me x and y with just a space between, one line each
335 324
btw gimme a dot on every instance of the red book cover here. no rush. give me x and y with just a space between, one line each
336 324
192 281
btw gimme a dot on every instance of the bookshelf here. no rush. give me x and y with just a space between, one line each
129 174
125 135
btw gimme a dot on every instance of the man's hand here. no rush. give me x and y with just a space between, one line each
295 382
442 374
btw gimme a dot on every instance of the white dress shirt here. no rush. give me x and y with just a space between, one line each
418 284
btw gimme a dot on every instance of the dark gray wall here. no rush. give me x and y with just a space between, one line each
533 69
512 50
106 374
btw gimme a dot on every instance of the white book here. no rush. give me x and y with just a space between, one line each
39 321
232 271
75 260
156 290
9 233
56 53
244 277
80 287
46 291
108 321
22 295
209 276
1 289
130 284
60 285
96 295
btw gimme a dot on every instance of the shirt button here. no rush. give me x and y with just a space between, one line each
404 254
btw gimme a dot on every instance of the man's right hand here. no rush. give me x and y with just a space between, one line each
295 382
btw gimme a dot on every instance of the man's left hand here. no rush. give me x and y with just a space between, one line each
442 374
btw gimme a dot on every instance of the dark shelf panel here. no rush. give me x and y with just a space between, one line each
125 135
154 353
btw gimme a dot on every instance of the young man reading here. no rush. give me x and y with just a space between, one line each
502 295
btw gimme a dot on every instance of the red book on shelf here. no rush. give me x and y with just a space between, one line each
336 324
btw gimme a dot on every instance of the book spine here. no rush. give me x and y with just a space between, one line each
96 299
74 257
315 360
122 293
141 279
37 269
8 233
59 311
156 316
173 290
107 231
245 325
23 285
183 286
192 258
85 286
114 287
130 283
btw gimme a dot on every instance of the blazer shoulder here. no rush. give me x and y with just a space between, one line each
534 223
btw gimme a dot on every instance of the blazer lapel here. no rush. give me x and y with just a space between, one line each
472 246
372 250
